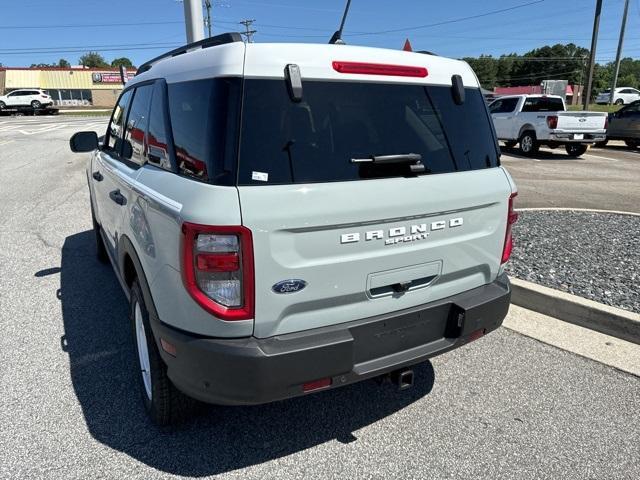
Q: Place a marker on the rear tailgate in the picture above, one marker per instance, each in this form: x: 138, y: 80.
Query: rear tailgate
x: 581, y: 121
x: 353, y: 243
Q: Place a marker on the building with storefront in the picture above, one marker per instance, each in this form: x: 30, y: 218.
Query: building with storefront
x: 74, y: 86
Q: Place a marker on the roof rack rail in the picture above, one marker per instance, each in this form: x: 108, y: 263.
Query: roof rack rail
x: 221, y: 39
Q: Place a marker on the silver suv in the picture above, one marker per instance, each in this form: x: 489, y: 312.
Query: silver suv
x: 292, y: 218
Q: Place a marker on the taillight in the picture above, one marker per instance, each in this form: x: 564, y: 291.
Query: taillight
x: 379, y: 69
x: 606, y: 122
x: 217, y: 269
x: 512, y: 217
x: 552, y: 121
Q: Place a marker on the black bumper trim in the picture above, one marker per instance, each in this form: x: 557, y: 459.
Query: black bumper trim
x: 247, y: 371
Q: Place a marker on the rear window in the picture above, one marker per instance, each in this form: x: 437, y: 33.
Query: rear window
x: 284, y: 142
x: 543, y: 104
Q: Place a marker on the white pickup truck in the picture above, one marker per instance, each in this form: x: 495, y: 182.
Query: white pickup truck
x: 535, y: 120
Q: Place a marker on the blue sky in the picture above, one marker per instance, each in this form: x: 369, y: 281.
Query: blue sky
x: 154, y: 26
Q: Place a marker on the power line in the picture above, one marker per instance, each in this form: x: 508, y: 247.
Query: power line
x: 447, y: 22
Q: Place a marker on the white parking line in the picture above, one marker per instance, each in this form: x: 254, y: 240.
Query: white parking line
x: 6, y: 142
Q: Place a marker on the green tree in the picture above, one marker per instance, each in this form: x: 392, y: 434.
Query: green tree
x: 93, y: 60
x: 486, y: 68
x: 41, y: 65
x: 124, y: 61
x: 558, y: 62
x: 63, y: 63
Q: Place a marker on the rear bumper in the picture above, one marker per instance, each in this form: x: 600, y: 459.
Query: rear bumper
x: 247, y: 371
x: 561, y: 137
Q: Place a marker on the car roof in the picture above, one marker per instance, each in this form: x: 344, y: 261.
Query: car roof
x: 268, y: 60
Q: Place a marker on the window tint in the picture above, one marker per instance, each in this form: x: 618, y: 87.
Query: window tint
x: 315, y: 140
x: 506, y: 105
x: 542, y: 104
x: 114, y: 132
x: 204, y: 114
x: 157, y: 143
x: 137, y: 124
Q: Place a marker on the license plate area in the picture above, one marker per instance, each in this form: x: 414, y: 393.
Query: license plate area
x: 578, y: 136
x: 392, y: 335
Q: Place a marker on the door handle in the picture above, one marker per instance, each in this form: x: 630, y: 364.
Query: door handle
x: 117, y: 197
x: 97, y: 176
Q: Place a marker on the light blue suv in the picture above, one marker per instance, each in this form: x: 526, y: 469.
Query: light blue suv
x: 286, y: 219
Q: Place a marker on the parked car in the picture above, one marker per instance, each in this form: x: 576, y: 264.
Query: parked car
x: 35, y: 98
x: 622, y: 96
x: 289, y: 218
x: 535, y: 120
x: 625, y: 125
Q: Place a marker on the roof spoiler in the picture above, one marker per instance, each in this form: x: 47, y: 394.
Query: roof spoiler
x: 221, y: 39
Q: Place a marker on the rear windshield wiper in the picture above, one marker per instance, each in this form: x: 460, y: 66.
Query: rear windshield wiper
x: 415, y: 159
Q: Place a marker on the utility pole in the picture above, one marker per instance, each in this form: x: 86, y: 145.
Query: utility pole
x: 248, y: 34
x: 619, y: 52
x: 592, y: 54
x: 193, y: 20
x: 207, y: 21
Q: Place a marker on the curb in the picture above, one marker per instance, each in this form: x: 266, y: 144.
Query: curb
x: 577, y: 310
x: 570, y: 209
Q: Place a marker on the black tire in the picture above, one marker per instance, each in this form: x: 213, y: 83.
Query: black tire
x: 602, y: 144
x: 528, y: 143
x: 101, y: 249
x: 510, y: 144
x: 631, y: 143
x: 2, y: 105
x: 164, y: 403
x: 575, y: 149
x: 35, y: 104
x: 619, y: 102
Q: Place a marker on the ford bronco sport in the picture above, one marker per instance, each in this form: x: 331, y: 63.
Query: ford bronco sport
x: 289, y: 218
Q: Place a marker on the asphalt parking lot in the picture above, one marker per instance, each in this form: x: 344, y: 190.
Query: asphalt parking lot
x: 603, y: 178
x: 506, y: 406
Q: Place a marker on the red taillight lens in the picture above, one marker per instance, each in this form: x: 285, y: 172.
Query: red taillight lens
x: 552, y: 121
x: 512, y: 217
x: 217, y: 269
x: 379, y: 69
x: 606, y: 122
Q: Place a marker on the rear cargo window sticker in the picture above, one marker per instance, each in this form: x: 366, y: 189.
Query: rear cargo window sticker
x: 260, y: 176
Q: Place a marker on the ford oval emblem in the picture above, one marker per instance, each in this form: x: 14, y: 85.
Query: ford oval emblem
x: 289, y: 286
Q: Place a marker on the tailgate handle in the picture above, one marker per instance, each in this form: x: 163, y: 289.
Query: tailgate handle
x: 402, y: 287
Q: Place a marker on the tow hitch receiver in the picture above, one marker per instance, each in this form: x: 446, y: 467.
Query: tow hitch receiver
x: 402, y: 378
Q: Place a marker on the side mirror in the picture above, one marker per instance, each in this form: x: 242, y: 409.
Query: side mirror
x: 83, y: 142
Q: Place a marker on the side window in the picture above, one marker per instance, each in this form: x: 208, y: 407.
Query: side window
x: 496, y: 107
x: 137, y: 125
x: 157, y: 143
x: 114, y: 132
x: 509, y: 105
x: 531, y: 104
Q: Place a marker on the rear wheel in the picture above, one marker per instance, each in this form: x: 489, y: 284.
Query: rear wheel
x: 632, y: 143
x: 510, y: 144
x: 36, y: 104
x: 163, y: 402
x: 529, y: 143
x: 575, y: 149
x: 619, y: 101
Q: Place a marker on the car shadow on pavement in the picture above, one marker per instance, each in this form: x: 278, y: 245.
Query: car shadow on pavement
x: 557, y: 154
x: 218, y: 439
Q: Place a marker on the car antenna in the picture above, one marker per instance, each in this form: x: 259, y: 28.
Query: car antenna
x: 336, y: 38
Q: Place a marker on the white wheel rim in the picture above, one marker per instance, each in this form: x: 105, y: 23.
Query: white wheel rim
x: 526, y: 144
x: 143, y: 351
